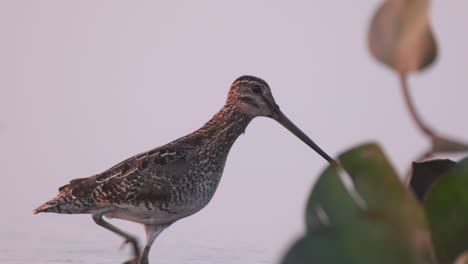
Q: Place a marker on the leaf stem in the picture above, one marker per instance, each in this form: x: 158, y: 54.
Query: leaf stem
x: 412, y: 110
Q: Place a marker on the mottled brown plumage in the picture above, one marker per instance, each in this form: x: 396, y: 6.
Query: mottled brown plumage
x: 160, y: 186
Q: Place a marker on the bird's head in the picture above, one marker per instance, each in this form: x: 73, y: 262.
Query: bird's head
x: 252, y: 96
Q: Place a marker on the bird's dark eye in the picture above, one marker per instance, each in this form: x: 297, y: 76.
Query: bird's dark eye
x: 256, y: 89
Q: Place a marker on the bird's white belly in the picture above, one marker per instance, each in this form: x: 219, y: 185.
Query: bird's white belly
x: 141, y: 214
x: 156, y: 216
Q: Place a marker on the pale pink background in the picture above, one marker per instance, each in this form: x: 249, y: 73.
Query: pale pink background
x: 86, y: 84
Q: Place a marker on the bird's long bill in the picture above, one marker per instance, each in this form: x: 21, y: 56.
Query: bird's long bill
x: 283, y: 120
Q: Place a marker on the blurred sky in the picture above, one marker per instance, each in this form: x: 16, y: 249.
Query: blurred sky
x: 86, y: 84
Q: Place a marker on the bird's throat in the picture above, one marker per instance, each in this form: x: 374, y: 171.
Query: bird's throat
x: 224, y: 128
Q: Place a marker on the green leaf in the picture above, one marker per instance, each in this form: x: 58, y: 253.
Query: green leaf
x: 446, y: 205
x: 322, y: 247
x: 382, y: 191
x: 400, y: 35
x: 340, y: 231
x: 426, y: 173
x: 330, y: 196
x: 377, y: 222
x: 378, y: 183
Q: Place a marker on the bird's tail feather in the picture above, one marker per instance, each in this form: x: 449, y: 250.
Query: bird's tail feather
x: 65, y: 205
x: 47, y: 207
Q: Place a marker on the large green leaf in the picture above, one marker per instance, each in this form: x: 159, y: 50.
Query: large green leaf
x: 321, y: 247
x: 378, y: 221
x: 379, y: 185
x: 446, y: 205
x: 389, y: 201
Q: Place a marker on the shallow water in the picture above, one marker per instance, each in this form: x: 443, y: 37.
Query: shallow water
x: 76, y: 239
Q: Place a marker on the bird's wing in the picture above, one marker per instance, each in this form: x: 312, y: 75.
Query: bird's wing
x: 148, y: 175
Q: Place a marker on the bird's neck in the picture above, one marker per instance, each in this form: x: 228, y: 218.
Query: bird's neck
x: 224, y: 128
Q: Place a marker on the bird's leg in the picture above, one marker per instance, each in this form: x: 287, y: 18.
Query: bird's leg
x: 152, y: 232
x: 97, y: 217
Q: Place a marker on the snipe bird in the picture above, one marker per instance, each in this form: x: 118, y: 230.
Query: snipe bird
x: 158, y: 187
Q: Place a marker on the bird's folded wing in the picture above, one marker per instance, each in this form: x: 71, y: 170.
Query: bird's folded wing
x: 149, y: 175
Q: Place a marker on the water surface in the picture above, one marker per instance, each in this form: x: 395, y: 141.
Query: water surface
x: 76, y: 239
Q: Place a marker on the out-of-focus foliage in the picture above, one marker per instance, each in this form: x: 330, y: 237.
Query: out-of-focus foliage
x: 400, y: 35
x: 445, y: 145
x: 446, y: 204
x: 426, y: 173
x: 373, y: 219
x: 360, y: 213
x: 363, y: 214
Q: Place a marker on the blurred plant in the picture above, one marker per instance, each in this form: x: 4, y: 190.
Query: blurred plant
x: 373, y: 219
x: 361, y: 212
x: 400, y: 37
